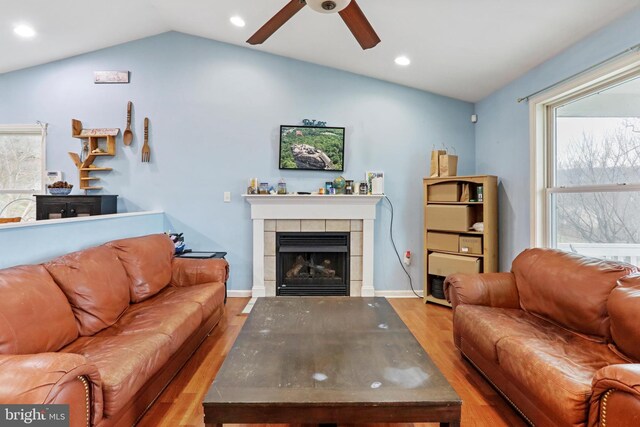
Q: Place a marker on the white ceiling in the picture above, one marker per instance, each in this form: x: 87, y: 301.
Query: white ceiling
x: 465, y: 49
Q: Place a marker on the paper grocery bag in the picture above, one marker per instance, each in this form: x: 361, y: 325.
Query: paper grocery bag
x: 448, y: 165
x: 465, y: 194
x: 435, y: 162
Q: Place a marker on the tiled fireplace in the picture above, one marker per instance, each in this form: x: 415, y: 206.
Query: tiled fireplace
x: 304, y: 272
x: 284, y: 215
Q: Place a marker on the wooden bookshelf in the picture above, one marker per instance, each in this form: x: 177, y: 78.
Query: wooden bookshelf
x: 452, y: 220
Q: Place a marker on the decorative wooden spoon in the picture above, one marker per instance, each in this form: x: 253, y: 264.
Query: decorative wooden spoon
x: 127, y: 137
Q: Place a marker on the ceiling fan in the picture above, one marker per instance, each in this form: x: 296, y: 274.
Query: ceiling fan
x: 349, y: 11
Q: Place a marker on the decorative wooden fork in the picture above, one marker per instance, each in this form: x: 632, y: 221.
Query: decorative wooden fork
x: 146, y: 151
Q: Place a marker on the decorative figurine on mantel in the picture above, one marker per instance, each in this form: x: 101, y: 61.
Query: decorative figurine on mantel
x: 339, y: 184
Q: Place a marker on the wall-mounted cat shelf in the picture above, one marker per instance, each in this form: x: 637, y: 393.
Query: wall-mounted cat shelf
x: 95, y: 147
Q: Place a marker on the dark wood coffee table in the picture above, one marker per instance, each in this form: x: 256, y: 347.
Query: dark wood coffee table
x: 328, y: 360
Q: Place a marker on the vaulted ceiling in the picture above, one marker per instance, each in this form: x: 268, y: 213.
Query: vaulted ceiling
x: 465, y: 49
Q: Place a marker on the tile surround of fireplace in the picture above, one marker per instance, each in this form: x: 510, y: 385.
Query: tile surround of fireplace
x: 330, y: 246
x: 313, y: 213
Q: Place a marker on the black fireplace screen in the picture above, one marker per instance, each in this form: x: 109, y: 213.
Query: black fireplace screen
x: 312, y: 264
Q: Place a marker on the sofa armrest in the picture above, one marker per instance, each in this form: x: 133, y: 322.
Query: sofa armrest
x: 187, y: 272
x: 53, y: 378
x: 615, y: 400
x: 490, y: 289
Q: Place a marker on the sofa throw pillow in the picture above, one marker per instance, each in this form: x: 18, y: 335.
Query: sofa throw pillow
x: 35, y: 316
x: 147, y: 261
x: 96, y: 285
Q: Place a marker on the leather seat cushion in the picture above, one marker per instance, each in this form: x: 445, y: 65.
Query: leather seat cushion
x: 208, y: 296
x: 125, y: 363
x: 175, y: 312
x: 556, y: 370
x: 568, y: 289
x: 95, y: 284
x: 177, y: 320
x: 483, y: 327
x: 35, y: 316
x: 147, y: 261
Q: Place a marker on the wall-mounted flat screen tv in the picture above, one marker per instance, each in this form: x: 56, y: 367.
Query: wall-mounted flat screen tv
x: 312, y: 148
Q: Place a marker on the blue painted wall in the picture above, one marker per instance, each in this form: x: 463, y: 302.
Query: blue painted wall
x: 34, y: 244
x: 502, y: 132
x: 215, y: 111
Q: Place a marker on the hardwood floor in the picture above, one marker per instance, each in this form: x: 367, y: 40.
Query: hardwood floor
x: 180, y: 404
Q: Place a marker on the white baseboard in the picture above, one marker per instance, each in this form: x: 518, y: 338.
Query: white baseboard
x: 231, y: 293
x: 398, y: 294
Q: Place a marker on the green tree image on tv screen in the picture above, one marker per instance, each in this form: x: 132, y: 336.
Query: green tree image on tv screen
x: 315, y: 148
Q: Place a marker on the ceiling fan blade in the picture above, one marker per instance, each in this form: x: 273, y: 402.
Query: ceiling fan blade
x: 362, y: 30
x: 278, y: 20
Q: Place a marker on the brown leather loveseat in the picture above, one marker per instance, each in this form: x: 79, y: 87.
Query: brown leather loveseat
x: 105, y: 329
x: 559, y: 336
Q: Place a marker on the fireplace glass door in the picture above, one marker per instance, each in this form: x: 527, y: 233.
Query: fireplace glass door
x: 309, y: 264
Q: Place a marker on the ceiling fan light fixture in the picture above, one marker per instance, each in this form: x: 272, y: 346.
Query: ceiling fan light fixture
x: 328, y: 6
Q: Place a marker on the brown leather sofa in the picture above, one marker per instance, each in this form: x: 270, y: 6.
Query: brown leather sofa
x: 105, y: 329
x: 558, y: 336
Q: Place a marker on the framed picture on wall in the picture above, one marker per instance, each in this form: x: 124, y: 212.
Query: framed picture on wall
x: 113, y: 77
x: 312, y: 148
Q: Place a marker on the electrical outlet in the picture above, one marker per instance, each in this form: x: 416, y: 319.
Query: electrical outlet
x: 227, y: 196
x: 407, y: 258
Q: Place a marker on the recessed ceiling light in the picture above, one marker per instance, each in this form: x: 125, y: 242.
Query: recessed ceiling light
x: 403, y: 60
x: 237, y: 21
x: 24, y: 31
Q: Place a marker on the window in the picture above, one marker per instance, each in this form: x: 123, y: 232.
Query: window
x: 590, y: 183
x: 22, y: 159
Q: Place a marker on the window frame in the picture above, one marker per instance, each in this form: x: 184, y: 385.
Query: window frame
x: 542, y: 138
x: 40, y: 129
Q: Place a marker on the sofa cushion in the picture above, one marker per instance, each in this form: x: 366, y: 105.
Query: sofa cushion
x: 125, y: 363
x: 568, y: 289
x: 624, y: 308
x: 95, y: 284
x: 556, y: 370
x: 209, y: 296
x: 483, y: 327
x: 177, y: 320
x: 35, y: 316
x: 147, y: 261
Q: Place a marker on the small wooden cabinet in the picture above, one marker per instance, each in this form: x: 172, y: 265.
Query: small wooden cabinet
x: 451, y: 206
x: 55, y: 207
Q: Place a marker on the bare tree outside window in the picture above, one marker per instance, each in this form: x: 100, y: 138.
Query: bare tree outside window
x: 20, y: 173
x: 605, y: 152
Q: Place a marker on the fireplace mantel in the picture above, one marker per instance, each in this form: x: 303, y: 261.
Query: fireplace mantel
x: 312, y: 207
x: 297, y: 206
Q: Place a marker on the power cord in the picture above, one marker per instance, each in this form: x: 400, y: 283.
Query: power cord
x: 396, y: 249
